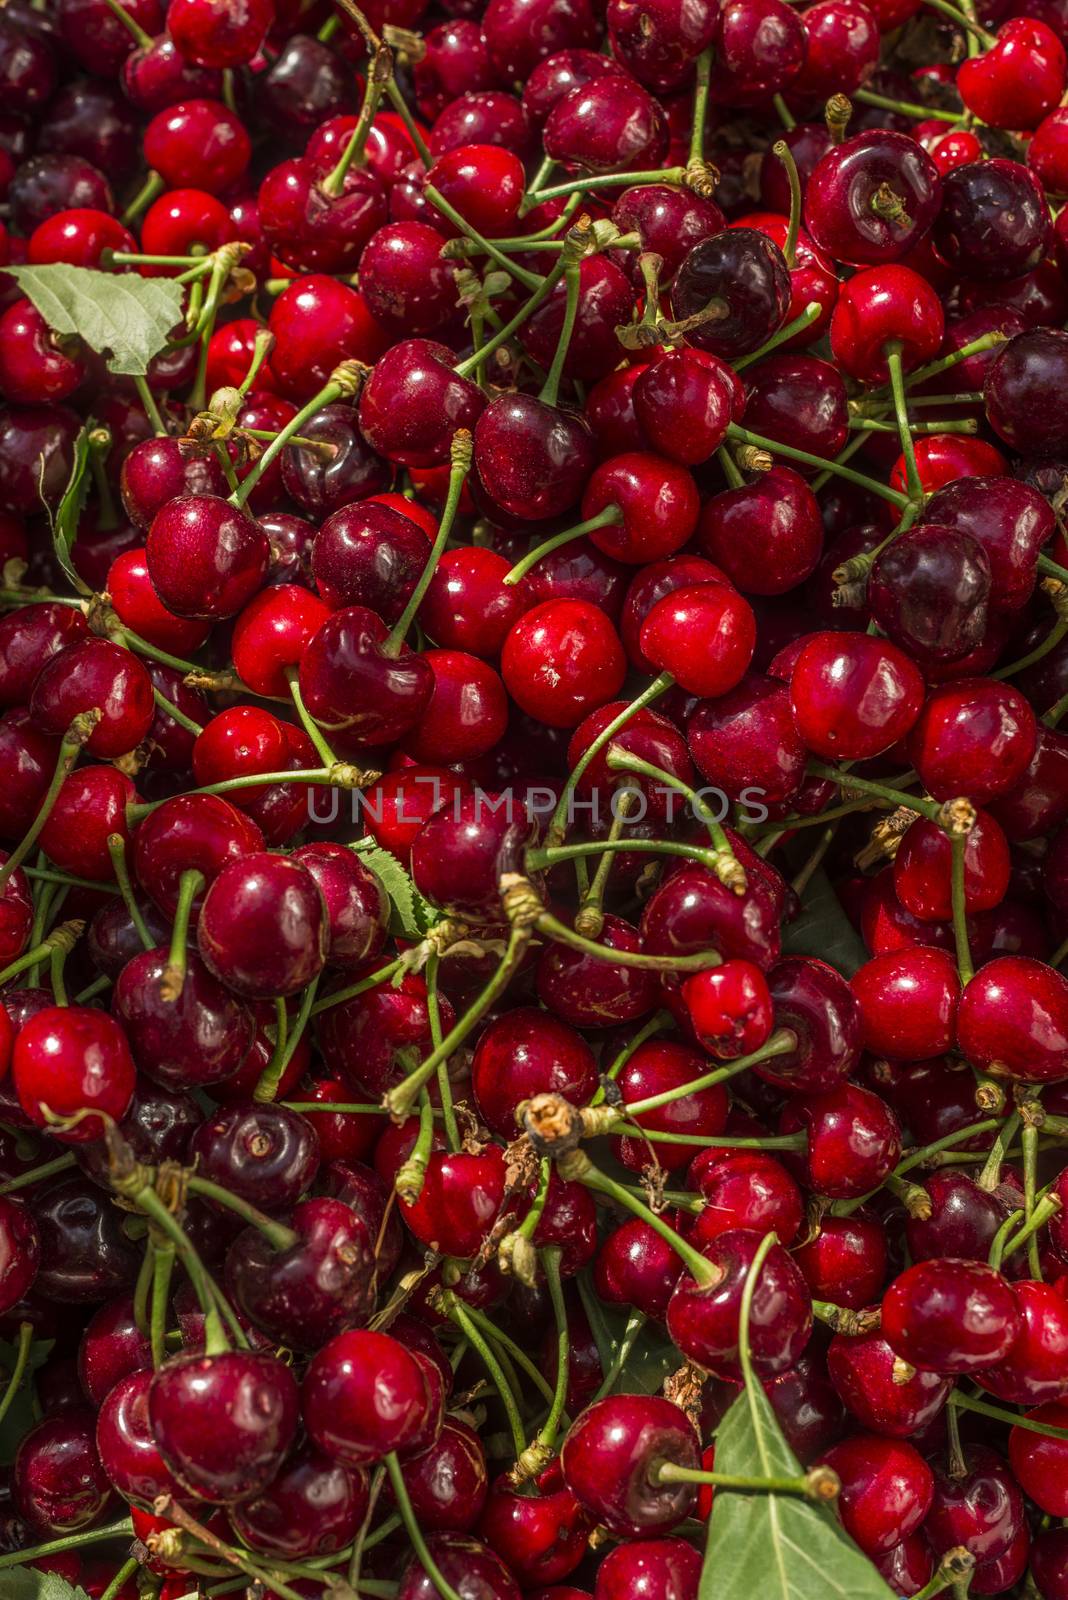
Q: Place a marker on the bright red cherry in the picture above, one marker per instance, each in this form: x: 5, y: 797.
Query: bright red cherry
x: 69, y: 1059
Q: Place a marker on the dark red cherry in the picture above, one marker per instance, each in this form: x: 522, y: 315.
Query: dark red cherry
x: 524, y: 1053
x: 95, y: 674
x: 609, y: 124
x: 594, y: 992
x: 684, y: 402
x: 759, y: 49
x: 321, y: 484
x: 963, y: 1221
x: 606, y: 299
x: 974, y: 737
x: 887, y: 1489
x: 879, y: 1390
x: 609, y: 1459
x: 739, y: 282
x: 59, y: 1484
x: 303, y: 1294
x: 205, y: 557
x: 358, y: 693
x: 669, y: 221
x: 223, y: 1423
x: 266, y: 1154
x: 313, y: 1508
x: 409, y: 288
x: 767, y: 536
x: 843, y: 48
x: 1033, y: 1370
x: 36, y: 445
x: 448, y: 1483
x: 29, y: 637
x: 972, y: 231
x: 812, y: 1000
x: 1019, y: 388
x: 189, y: 831
x: 692, y: 910
x: 908, y: 1003
x: 703, y: 1318
x: 85, y: 1255
x: 854, y: 696
x: 532, y: 459
x: 922, y: 868
x: 307, y: 82
x: 846, y: 1262
x: 743, y: 1189
x: 364, y: 1395
x: 360, y: 1037
x: 871, y: 198
x: 356, y: 903
x: 413, y: 402
x: 197, y: 1038
x: 156, y: 1128
x: 929, y: 593
x: 263, y: 928
x: 951, y: 1316
x: 459, y: 1202
x: 125, y: 1443
x: 469, y: 1567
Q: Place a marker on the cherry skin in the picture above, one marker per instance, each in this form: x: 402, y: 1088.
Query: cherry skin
x: 363, y: 1395
x: 887, y: 1489
x: 138, y: 606
x: 266, y: 1154
x: 854, y: 1140
x: 155, y: 76
x: 881, y: 306
x: 314, y: 1507
x: 1038, y: 1461
x: 205, y: 558
x: 467, y: 713
x: 746, y: 743
x: 359, y: 694
x: 846, y: 1261
x: 691, y: 910
x: 971, y: 231
x: 70, y: 1058
x: 884, y: 1399
x: 368, y: 555
x: 963, y: 1221
x: 263, y: 929
x: 646, y: 735
x: 684, y: 402
x: 523, y: 1053
x: 124, y: 1441
x: 1020, y: 79
x: 744, y: 1189
x: 305, y: 1293
x: 360, y: 1037
x: 853, y: 696
x: 33, y: 369
x: 469, y: 1567
x: 767, y: 536
x: 636, y: 1267
x: 210, y: 33
x: 532, y: 459
x: 448, y: 1483
x: 608, y: 1461
x: 20, y: 1252
x: 591, y: 992
x: 95, y: 674
x: 223, y: 1423
x: 468, y: 606
x: 1018, y: 391
x: 973, y: 737
x: 655, y: 1067
x: 271, y: 634
x: 318, y: 322
x: 703, y: 1319
x: 812, y: 1000
x: 356, y: 903
x: 951, y: 1316
x: 843, y: 47
x: 198, y: 1038
x: 609, y: 124
x: 929, y: 593
x: 801, y: 401
x: 922, y: 869
x: 459, y: 1202
x: 669, y: 221
x: 741, y: 277
x: 1033, y: 1371
x: 704, y: 635
x: 413, y: 402
x: 1049, y: 1563
x: 871, y: 198
x: 35, y: 455
x: 198, y: 143
x: 606, y: 299
x: 560, y: 660
x: 59, y: 1484
x: 650, y: 1568
x: 1013, y: 1019
x: 908, y: 1003
x: 730, y: 1009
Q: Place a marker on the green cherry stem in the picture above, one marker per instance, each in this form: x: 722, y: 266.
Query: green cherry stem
x: 620, y: 760
x: 553, y: 928
x: 278, y: 1236
x: 67, y: 934
x: 550, y: 389
x: 782, y: 150
x: 700, y: 105
x: 163, y: 1256
x: 957, y: 844
x: 47, y: 1169
x: 117, y: 852
x: 414, y: 1532
x: 803, y: 320
x: 781, y: 1043
x: 433, y: 1007
x: 819, y: 1484
x: 307, y: 721
x: 611, y: 516
x: 343, y: 384
x: 529, y: 280
x: 173, y: 978
x: 905, y: 108
x: 339, y: 996
x: 576, y: 1167
x: 635, y: 1324
x: 901, y: 410
x: 775, y: 447
x: 18, y: 1371
x: 460, y: 454
x: 121, y: 1578
x: 130, y: 23
x: 985, y: 341
x: 967, y: 1402
x: 538, y: 1454
x: 744, y: 1357
x: 267, y: 1088
x: 457, y: 1313
x: 515, y: 1352
x: 122, y: 1529
x: 381, y: 70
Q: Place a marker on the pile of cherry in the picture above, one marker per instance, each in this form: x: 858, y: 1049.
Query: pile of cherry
x: 533, y: 629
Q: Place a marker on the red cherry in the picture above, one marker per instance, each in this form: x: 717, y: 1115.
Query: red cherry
x: 68, y: 1059
x: 853, y: 695
x: 881, y: 306
x: 1019, y: 80
x: 908, y: 1003
x: 560, y: 660
x: 704, y: 635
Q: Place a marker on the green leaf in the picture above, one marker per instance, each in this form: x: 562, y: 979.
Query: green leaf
x: 824, y: 930
x: 652, y: 1358
x: 410, y: 915
x: 777, y: 1546
x: 120, y: 315
x: 27, y: 1583
x: 70, y: 508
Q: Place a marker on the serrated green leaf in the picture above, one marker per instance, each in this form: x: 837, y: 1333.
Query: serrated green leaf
x: 410, y: 916
x: 777, y: 1546
x: 822, y: 929
x: 69, y: 511
x: 124, y: 317
x: 27, y: 1583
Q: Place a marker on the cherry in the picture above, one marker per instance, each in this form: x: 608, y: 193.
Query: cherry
x: 971, y: 231
x: 90, y: 807
x: 704, y: 635
x: 871, y: 198
x: 883, y: 306
x: 139, y: 607
x: 560, y: 660
x: 364, y: 1395
x: 460, y: 1199
x: 456, y: 61
x: 95, y: 674
x: 27, y: 71
x: 884, y: 1399
x: 316, y: 323
x: 746, y: 743
x: 1019, y: 80
x: 853, y: 1140
x: 853, y: 696
x: 368, y: 555
x: 447, y: 1484
x: 532, y: 459
x: 265, y: 1154
x: 408, y: 287
x: 92, y: 120
x: 846, y: 1261
x: 908, y: 1003
x: 359, y: 693
x: 20, y: 1252
x: 205, y: 557
x: 223, y: 1423
x: 651, y: 1568
x: 210, y: 33
x: 692, y: 910
x: 743, y: 1189
x: 1049, y: 1563
x: 36, y: 455
x: 922, y: 868
x: 304, y: 1293
x: 85, y: 1255
x: 59, y: 1485
x: 843, y: 47
x: 199, y: 144
x: 68, y: 1059
x: 606, y: 300
x: 155, y: 471
x: 636, y: 1267
x: 523, y: 1053
x: 469, y: 1568
x: 156, y: 75
x: 929, y: 592
x: 951, y: 1316
x: 185, y: 832
x: 16, y: 915
x: 322, y: 484
x: 468, y: 606
x: 739, y: 280
x: 33, y: 368
x: 703, y: 1318
x: 1013, y: 1018
x: 668, y: 221
x: 413, y: 402
x: 359, y: 1037
x: 973, y: 737
x: 766, y: 536
x: 964, y: 1219
x: 306, y: 83
x: 1033, y: 1371
x: 182, y: 222
x: 1038, y: 1461
x: 124, y: 1439
x: 812, y: 1000
x: 196, y: 1038
x: 887, y: 1489
x: 49, y: 183
x: 609, y: 1462
x: 591, y: 992
x: 684, y: 402
x: 607, y: 124
x: 730, y: 1009
x: 1018, y: 388
x: 156, y: 1127
x: 943, y: 458
x: 654, y: 1068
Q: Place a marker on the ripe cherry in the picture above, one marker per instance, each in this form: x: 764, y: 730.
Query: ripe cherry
x: 702, y: 1318
x: 223, y: 1423
x: 883, y: 1397
x: 950, y: 1316
x: 609, y: 1462
x: 69, y: 1059
x: 974, y: 737
x: 853, y: 695
x: 364, y: 1395
x: 871, y: 198
x: 887, y: 1489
